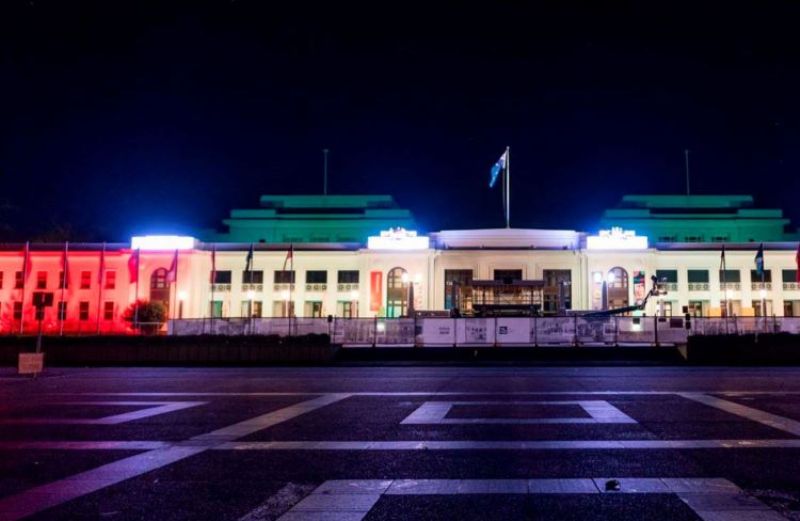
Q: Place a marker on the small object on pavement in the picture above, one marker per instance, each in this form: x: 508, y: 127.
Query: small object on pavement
x: 613, y: 485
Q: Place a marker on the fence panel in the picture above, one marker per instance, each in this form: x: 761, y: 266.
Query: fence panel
x: 436, y: 331
x: 555, y: 331
x: 596, y: 330
x: 475, y: 332
x: 395, y: 332
x: 514, y: 331
x: 636, y: 330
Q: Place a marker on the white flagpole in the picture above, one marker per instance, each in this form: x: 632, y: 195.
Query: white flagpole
x: 508, y: 187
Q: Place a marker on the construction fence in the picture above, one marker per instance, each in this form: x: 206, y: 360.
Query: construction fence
x: 495, y: 331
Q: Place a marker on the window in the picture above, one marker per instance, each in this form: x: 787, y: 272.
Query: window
x: 284, y: 277
x: 61, y: 282
x: 457, y: 285
x: 215, y: 308
x: 557, y: 291
x: 1, y: 280
x: 19, y: 280
x: 86, y: 279
x: 108, y: 310
x: 693, y: 238
x: 347, y: 308
x: 316, y: 277
x: 755, y: 277
x: 41, y: 280
x: 791, y: 308
x: 719, y: 238
x: 253, y: 277
x: 313, y: 308
x: 281, y: 308
x: 789, y: 276
x: 17, y: 310
x: 347, y: 277
x: 256, y: 308
x: 698, y: 276
x: 507, y: 275
x: 111, y: 279
x: 222, y: 277
x: 667, y: 238
x: 83, y: 310
x: 730, y: 276
x: 670, y: 276
x: 62, y: 310
x: 698, y: 308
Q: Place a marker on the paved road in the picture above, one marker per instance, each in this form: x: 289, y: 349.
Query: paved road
x: 401, y: 443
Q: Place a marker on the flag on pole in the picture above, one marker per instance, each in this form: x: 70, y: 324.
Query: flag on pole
x: 213, y: 264
x: 797, y: 262
x: 102, y: 269
x: 133, y: 266
x: 64, y: 267
x: 722, y: 259
x: 248, y: 261
x: 172, y: 274
x: 760, y: 260
x: 498, y: 167
x: 289, y: 258
x: 26, y: 265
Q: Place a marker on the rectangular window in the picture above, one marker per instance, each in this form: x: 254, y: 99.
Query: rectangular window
x: 507, y: 275
x: 1, y: 280
x: 111, y: 279
x: 755, y: 277
x: 282, y: 308
x: 86, y: 279
x: 216, y: 308
x: 62, y: 310
x: 347, y: 308
x: 17, y: 310
x: 253, y: 277
x: 313, y: 308
x: 670, y: 276
x: 61, y: 282
x: 730, y: 276
x: 347, y: 277
x: 457, y: 284
x: 557, y: 291
x: 83, y: 310
x: 789, y: 275
x: 284, y: 277
x: 255, y: 312
x: 698, y: 276
x: 316, y: 277
x: 41, y: 280
x: 108, y: 310
x: 222, y: 277
x: 19, y: 280
x: 791, y: 308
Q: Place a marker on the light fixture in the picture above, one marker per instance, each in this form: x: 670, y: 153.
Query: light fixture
x: 162, y: 242
x: 763, y: 293
x: 251, y: 294
x: 418, y: 278
x: 610, y: 277
x: 181, y: 295
x: 405, y: 278
x: 354, y: 295
x: 598, y: 277
x: 285, y: 294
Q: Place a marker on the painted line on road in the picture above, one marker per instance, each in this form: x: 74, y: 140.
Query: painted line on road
x: 512, y: 445
x: 712, y: 499
x: 765, y: 418
x: 52, y: 494
x: 154, y: 409
x: 599, y: 411
x: 83, y: 445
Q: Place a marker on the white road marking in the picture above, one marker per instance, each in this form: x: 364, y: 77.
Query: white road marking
x: 513, y: 445
x: 434, y: 393
x: 154, y: 409
x: 83, y: 445
x: 52, y: 494
x: 600, y: 411
x: 765, y: 418
x: 712, y: 499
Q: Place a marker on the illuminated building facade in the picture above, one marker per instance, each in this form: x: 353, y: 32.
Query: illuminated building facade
x: 390, y: 274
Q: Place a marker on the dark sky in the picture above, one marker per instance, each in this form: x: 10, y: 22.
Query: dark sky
x: 121, y: 117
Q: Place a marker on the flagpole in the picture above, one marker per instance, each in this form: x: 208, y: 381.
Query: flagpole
x: 100, y: 274
x: 63, y: 286
x: 508, y: 187
x: 136, y: 296
x: 24, y: 280
x: 213, y: 282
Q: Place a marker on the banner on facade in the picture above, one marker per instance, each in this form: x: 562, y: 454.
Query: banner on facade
x: 375, y: 290
x: 639, y: 286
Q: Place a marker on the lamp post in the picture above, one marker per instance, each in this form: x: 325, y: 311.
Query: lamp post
x: 250, y: 296
x: 353, y: 303
x: 181, y: 299
x: 406, y: 278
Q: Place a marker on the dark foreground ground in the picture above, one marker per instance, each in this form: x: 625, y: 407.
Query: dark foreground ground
x: 401, y: 443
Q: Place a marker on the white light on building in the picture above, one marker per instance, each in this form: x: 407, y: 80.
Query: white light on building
x: 616, y: 239
x: 162, y: 242
x: 398, y: 239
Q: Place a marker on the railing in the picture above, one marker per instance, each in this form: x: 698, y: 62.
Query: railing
x: 253, y: 287
x: 735, y: 286
x: 495, y: 331
x: 220, y: 287
x: 791, y: 286
x: 698, y: 286
x: 347, y: 286
x: 761, y: 285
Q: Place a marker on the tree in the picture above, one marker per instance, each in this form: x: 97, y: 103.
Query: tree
x: 150, y: 318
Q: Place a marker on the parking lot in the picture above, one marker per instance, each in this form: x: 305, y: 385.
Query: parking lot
x: 401, y: 443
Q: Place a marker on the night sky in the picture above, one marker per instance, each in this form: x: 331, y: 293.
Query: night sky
x: 121, y: 117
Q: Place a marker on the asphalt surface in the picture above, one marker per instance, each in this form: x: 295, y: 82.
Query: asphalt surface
x: 381, y: 443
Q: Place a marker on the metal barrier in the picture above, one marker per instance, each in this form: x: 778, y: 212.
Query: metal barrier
x: 491, y: 332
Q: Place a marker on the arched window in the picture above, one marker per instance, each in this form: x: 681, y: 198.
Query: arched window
x: 617, y: 284
x: 159, y: 287
x: 397, y: 293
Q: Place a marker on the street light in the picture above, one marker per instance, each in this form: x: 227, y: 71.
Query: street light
x: 353, y: 303
x: 181, y: 299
